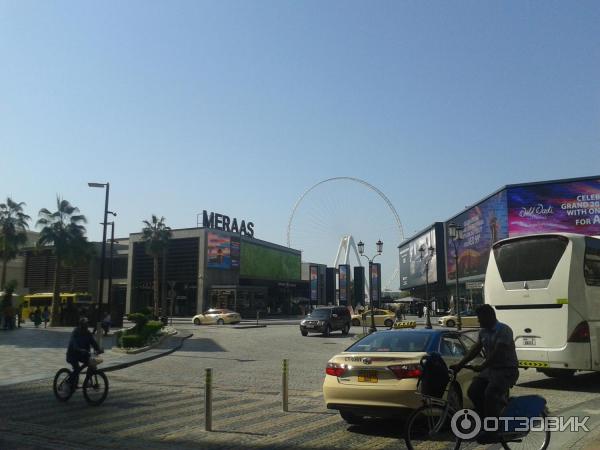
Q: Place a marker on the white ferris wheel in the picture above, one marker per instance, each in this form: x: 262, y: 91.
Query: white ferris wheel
x: 333, y: 214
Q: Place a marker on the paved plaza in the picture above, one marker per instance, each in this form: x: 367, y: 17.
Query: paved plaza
x: 160, y: 403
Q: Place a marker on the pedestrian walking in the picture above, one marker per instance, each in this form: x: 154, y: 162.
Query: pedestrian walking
x: 106, y: 322
x: 46, y: 316
x: 37, y: 317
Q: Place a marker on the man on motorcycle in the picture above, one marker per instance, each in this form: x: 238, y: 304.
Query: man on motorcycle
x: 78, y: 351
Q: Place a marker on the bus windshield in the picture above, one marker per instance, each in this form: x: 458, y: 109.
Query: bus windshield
x: 531, y: 258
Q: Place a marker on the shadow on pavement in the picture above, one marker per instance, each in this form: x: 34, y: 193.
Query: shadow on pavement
x: 201, y: 345
x: 585, y: 382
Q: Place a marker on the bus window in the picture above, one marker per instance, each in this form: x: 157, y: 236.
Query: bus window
x: 591, y: 262
x: 531, y: 258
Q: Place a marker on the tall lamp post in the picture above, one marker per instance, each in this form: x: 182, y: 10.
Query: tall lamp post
x: 455, y: 233
x: 427, y: 259
x: 361, y: 250
x: 106, y: 186
x: 110, y: 263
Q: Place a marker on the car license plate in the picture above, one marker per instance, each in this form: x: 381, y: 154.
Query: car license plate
x: 528, y: 341
x: 367, y: 377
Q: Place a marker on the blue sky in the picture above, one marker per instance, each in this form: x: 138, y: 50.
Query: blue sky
x: 238, y: 107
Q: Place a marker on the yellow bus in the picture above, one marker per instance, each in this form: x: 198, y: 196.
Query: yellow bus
x: 32, y: 301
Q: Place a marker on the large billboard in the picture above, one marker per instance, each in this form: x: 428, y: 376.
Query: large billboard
x: 412, y: 267
x: 568, y: 207
x: 223, y: 251
x: 482, y: 225
x: 344, y: 283
x: 266, y: 263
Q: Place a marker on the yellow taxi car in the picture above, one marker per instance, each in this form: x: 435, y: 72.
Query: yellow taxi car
x: 383, y: 318
x: 217, y: 317
x: 467, y: 319
x: 377, y: 376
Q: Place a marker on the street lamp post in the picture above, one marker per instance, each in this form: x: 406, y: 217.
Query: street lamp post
x: 110, y: 263
x: 427, y: 259
x: 361, y: 250
x: 455, y: 232
x: 106, y: 186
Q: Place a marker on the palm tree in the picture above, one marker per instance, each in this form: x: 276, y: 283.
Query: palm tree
x: 156, y: 235
x: 63, y: 229
x: 13, y: 227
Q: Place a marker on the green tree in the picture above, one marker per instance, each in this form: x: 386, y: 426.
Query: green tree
x: 13, y: 233
x: 156, y: 235
x: 63, y: 230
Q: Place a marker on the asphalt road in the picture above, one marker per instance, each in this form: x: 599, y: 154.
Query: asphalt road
x: 159, y: 404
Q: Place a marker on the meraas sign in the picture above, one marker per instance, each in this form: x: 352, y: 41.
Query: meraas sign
x: 222, y: 222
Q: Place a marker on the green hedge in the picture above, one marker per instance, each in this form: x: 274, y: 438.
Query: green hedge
x: 132, y: 340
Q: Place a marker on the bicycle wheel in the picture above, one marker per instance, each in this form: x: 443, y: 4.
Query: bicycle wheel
x: 534, y: 440
x: 62, y: 385
x: 429, y: 427
x: 95, y: 388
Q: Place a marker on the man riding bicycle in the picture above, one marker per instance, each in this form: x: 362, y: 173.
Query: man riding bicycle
x: 499, y: 372
x: 80, y: 343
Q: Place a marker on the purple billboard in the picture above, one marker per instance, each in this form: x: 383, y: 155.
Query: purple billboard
x: 567, y: 207
x: 482, y: 225
x: 344, y: 283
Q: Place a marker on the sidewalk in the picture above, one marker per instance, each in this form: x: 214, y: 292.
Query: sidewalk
x: 29, y: 353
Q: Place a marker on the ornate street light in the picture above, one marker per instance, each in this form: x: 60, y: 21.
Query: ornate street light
x: 455, y: 233
x: 361, y: 251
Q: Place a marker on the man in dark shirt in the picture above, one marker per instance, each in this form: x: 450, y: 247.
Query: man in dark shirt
x: 500, y: 370
x: 80, y: 343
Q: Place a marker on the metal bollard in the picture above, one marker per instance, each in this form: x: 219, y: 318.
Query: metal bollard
x: 284, y: 382
x: 208, y: 401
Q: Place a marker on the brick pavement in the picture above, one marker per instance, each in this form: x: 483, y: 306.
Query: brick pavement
x: 29, y: 353
x: 160, y: 404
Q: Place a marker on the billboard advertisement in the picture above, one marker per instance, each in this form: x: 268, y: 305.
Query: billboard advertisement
x: 262, y: 262
x: 344, y: 283
x: 568, y: 207
x: 412, y: 266
x: 482, y: 225
x: 219, y: 251
x: 375, y: 283
x: 359, y: 286
x: 314, y: 284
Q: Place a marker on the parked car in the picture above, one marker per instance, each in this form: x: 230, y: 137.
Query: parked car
x: 325, y: 320
x: 467, y: 319
x: 217, y: 317
x: 377, y: 376
x: 383, y: 318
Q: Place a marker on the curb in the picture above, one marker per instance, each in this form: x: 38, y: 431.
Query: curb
x: 124, y: 365
x: 135, y: 351
x: 245, y: 327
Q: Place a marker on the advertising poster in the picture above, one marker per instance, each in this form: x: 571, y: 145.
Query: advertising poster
x: 560, y: 207
x: 359, y: 286
x: 483, y: 225
x: 375, y: 283
x: 344, y: 283
x: 219, y: 251
x: 235, y: 252
x: 314, y: 284
x: 412, y: 267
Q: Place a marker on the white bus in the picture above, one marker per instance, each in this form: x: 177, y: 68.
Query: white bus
x: 546, y: 287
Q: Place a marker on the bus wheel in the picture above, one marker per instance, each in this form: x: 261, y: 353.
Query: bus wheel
x: 558, y: 373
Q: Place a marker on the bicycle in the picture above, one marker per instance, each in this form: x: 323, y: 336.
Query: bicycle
x: 432, y: 423
x: 95, y: 383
